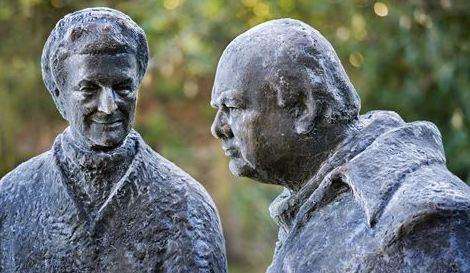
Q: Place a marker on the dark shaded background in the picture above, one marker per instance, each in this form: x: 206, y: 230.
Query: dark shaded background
x: 408, y: 56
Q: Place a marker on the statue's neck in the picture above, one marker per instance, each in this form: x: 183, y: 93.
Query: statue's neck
x: 93, y: 173
x: 88, y: 158
x: 285, y: 208
x: 326, y: 154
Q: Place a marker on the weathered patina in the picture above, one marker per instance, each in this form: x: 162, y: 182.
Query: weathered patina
x: 101, y: 200
x: 363, y: 193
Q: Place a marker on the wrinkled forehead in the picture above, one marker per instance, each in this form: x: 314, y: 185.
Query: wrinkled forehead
x: 261, y: 54
x: 240, y: 72
x: 96, y: 38
x: 102, y: 65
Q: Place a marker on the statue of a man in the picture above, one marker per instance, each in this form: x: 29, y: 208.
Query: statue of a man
x: 363, y: 193
x: 101, y: 200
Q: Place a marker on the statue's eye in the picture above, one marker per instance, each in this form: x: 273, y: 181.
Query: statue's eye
x: 123, y: 87
x: 89, y: 88
x: 233, y: 104
x: 120, y: 87
x: 230, y: 108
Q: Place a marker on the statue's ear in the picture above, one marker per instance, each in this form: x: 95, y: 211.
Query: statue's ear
x: 58, y: 103
x: 307, y: 116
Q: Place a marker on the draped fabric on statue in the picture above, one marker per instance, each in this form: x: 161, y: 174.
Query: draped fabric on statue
x: 153, y: 217
x: 384, y: 199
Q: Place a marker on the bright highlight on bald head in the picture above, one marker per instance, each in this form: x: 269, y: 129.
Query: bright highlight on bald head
x: 297, y: 62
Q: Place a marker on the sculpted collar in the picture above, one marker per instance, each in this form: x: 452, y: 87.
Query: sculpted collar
x: 87, y: 159
x: 93, y: 178
x: 363, y: 165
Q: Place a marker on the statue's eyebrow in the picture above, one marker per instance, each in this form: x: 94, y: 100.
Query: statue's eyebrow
x: 233, y: 98
x: 127, y: 80
x: 86, y: 82
x: 215, y: 103
x: 218, y: 101
x: 229, y: 97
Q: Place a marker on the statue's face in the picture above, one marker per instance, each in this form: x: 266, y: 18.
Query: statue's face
x: 256, y: 133
x: 100, y: 94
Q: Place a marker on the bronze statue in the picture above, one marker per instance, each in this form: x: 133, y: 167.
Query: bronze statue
x: 363, y: 193
x: 101, y: 200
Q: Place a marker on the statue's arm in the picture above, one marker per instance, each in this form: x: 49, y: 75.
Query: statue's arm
x: 435, y: 243
x: 198, y: 243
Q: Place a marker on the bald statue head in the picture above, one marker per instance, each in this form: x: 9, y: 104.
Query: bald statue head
x: 284, y: 102
x: 92, y: 64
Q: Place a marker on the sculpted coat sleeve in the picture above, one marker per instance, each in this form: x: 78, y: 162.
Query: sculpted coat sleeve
x: 441, y: 242
x: 198, y: 245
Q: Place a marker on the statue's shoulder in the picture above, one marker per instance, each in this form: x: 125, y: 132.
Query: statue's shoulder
x: 430, y: 198
x: 428, y: 220
x: 401, y: 179
x: 425, y: 185
x: 172, y: 180
x: 196, y: 233
x: 23, y: 182
x: 27, y: 173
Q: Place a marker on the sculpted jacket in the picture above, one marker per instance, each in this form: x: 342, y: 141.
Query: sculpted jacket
x: 384, y: 202
x: 155, y: 218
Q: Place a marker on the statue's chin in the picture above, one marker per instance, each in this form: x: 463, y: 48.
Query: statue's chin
x: 107, y: 136
x: 108, y: 145
x: 239, y: 167
x: 107, y: 141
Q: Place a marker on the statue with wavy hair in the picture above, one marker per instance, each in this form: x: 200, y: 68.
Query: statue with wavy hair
x: 101, y: 200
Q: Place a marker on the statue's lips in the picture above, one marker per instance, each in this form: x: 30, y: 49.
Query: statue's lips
x: 108, y: 122
x: 230, y: 151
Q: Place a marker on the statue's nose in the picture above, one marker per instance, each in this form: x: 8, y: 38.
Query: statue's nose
x: 107, y: 103
x: 220, y: 128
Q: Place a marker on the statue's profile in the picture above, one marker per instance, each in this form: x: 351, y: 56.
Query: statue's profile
x: 101, y: 200
x: 363, y: 193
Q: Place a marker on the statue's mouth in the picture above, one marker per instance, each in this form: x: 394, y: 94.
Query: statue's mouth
x: 230, y: 151
x: 108, y: 122
x: 115, y: 119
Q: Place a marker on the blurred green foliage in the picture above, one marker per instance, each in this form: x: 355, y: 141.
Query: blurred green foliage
x: 408, y: 56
